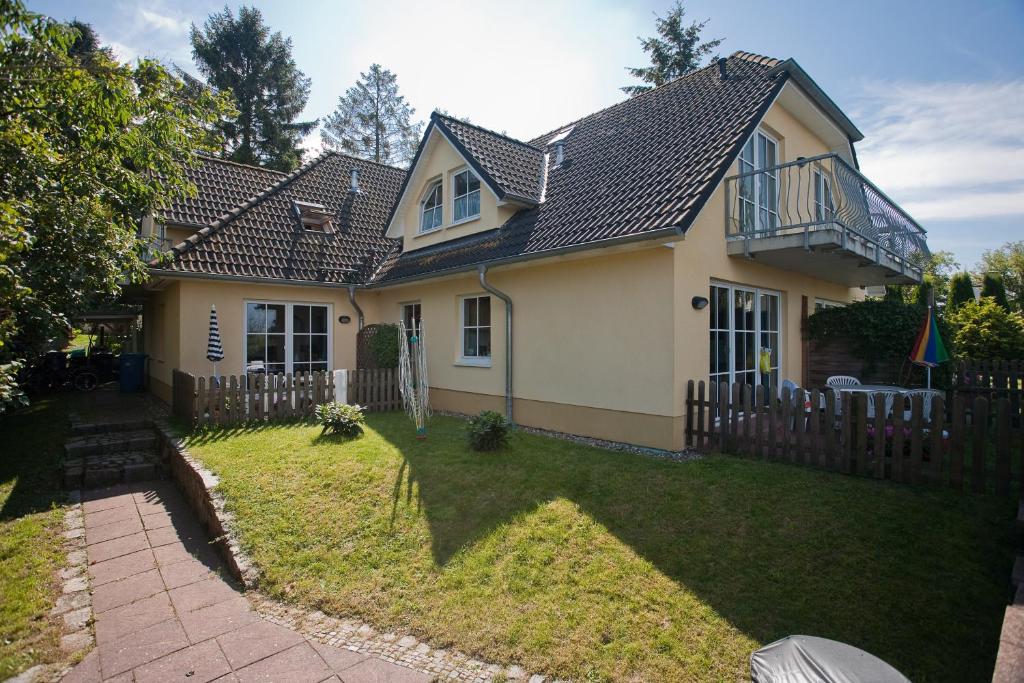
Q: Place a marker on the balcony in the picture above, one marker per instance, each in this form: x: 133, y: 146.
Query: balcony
x: 821, y: 217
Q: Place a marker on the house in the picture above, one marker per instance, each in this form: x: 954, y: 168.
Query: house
x: 578, y: 279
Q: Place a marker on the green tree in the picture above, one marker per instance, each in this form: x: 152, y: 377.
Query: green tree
x: 373, y: 121
x: 675, y: 51
x: 961, y: 290
x: 241, y: 56
x: 923, y: 292
x: 985, y: 330
x: 1008, y: 263
x: 87, y: 147
x: 992, y: 286
x: 86, y: 44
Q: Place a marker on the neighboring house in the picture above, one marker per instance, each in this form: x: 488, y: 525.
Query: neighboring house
x: 676, y: 235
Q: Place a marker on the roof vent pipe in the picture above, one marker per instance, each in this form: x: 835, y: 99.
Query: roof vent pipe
x: 354, y: 186
x: 559, y: 153
x: 723, y: 68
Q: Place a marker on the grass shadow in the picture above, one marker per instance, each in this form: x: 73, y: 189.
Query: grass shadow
x: 30, y: 465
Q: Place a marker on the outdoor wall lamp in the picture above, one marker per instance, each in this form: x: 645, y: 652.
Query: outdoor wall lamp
x: 699, y: 302
x: 344, y: 319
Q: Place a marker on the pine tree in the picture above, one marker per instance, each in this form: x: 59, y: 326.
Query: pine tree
x: 961, y: 290
x: 242, y: 56
x: 677, y: 50
x: 373, y: 121
x: 992, y: 286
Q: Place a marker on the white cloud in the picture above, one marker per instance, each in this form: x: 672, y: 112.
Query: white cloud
x: 162, y: 22
x: 947, y: 151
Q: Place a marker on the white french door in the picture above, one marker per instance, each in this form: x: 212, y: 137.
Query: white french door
x: 746, y: 336
x: 759, y: 192
x: 287, y: 337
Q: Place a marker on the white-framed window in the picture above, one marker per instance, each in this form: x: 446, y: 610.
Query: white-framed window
x: 822, y: 304
x: 746, y: 335
x: 432, y: 208
x: 824, y: 208
x: 475, y: 321
x: 411, y: 317
x: 466, y: 198
x: 287, y: 337
x: 759, y: 192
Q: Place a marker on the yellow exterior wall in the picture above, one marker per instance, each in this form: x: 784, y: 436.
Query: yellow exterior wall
x: 161, y: 340
x: 440, y: 161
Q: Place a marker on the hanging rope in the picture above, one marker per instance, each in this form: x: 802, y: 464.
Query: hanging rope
x: 413, y: 376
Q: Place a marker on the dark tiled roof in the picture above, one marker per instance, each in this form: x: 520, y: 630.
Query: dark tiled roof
x: 637, y: 168
x: 262, y: 238
x: 512, y: 168
x: 221, y: 186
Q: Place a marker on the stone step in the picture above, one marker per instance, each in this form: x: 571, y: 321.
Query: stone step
x: 104, y: 469
x: 79, y: 428
x: 114, y: 442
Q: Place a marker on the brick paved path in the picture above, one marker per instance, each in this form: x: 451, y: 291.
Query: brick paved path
x: 165, y: 610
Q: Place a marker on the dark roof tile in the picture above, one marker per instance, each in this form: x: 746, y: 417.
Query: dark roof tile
x: 221, y: 186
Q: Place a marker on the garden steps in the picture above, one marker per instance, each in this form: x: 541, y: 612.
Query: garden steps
x: 106, y: 453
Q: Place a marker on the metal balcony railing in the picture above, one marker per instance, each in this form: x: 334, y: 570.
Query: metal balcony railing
x: 822, y: 193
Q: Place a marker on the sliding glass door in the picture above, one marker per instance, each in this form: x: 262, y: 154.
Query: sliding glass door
x: 745, y: 340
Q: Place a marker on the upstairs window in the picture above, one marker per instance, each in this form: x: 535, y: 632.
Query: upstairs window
x: 431, y: 218
x: 467, y: 196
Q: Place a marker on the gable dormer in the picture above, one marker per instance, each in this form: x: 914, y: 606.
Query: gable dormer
x: 464, y: 180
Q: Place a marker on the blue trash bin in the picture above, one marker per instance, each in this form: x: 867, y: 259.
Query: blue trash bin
x: 132, y: 370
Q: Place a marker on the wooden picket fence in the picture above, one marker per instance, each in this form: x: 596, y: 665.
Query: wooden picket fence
x: 992, y: 379
x: 975, y: 445
x: 275, y: 397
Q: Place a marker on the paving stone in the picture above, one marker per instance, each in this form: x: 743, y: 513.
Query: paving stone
x: 121, y: 621
x: 1009, y: 664
x: 118, y: 513
x: 72, y: 534
x: 98, y: 500
x: 142, y: 647
x: 195, y: 664
x: 186, y: 533
x: 177, y: 552
x: 75, y: 641
x: 79, y: 583
x: 71, y: 601
x: 215, y: 620
x: 71, y: 572
x: 372, y: 670
x: 337, y: 658
x: 201, y: 594
x: 106, y: 532
x: 298, y: 664
x: 125, y: 591
x: 117, y: 547
x: 86, y: 671
x: 122, y: 567
x: 1013, y: 626
x: 78, y: 558
x: 157, y: 520
x: 257, y: 641
x: 77, y: 619
x: 184, y: 573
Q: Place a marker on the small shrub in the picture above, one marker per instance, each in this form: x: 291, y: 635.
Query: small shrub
x: 487, y: 431
x: 384, y: 346
x: 341, y: 418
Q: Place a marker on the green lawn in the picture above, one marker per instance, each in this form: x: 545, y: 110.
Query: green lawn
x: 30, y: 535
x: 582, y: 563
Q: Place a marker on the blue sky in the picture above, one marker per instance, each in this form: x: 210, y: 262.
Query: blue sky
x: 937, y: 87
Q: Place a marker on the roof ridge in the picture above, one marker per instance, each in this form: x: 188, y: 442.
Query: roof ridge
x: 195, y: 238
x: 756, y: 58
x: 334, y: 152
x: 239, y: 163
x: 633, y: 98
x: 486, y: 130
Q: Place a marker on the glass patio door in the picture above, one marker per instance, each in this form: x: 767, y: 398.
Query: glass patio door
x: 759, y: 191
x: 745, y: 336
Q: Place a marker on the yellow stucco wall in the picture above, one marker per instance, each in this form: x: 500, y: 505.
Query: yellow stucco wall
x: 440, y: 161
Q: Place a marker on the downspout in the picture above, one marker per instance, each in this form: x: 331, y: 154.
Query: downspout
x: 352, y: 300
x: 508, y: 339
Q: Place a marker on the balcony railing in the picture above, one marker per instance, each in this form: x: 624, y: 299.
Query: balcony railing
x: 823, y: 194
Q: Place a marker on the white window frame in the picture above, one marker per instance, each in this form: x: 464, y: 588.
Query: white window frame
x: 455, y: 174
x: 823, y: 212
x: 757, y: 163
x: 408, y: 304
x: 757, y: 292
x: 461, y: 358
x: 289, y: 339
x: 435, y: 185
x: 823, y: 304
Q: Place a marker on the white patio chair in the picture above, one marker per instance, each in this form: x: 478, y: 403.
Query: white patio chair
x: 929, y: 395
x: 890, y: 398
x: 838, y: 381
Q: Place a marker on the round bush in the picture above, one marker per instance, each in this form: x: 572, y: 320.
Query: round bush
x: 487, y: 431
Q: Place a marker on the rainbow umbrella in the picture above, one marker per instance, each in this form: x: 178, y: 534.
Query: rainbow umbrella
x: 929, y: 350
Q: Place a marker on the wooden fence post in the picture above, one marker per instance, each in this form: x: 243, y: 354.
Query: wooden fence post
x: 700, y: 416
x: 1003, y: 446
x: 688, y: 435
x: 979, y: 444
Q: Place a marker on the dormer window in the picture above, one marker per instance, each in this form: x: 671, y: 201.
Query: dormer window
x: 431, y: 218
x: 314, y: 217
x: 467, y: 196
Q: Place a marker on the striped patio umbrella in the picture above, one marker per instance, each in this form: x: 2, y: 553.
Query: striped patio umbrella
x: 214, y: 349
x: 929, y: 350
